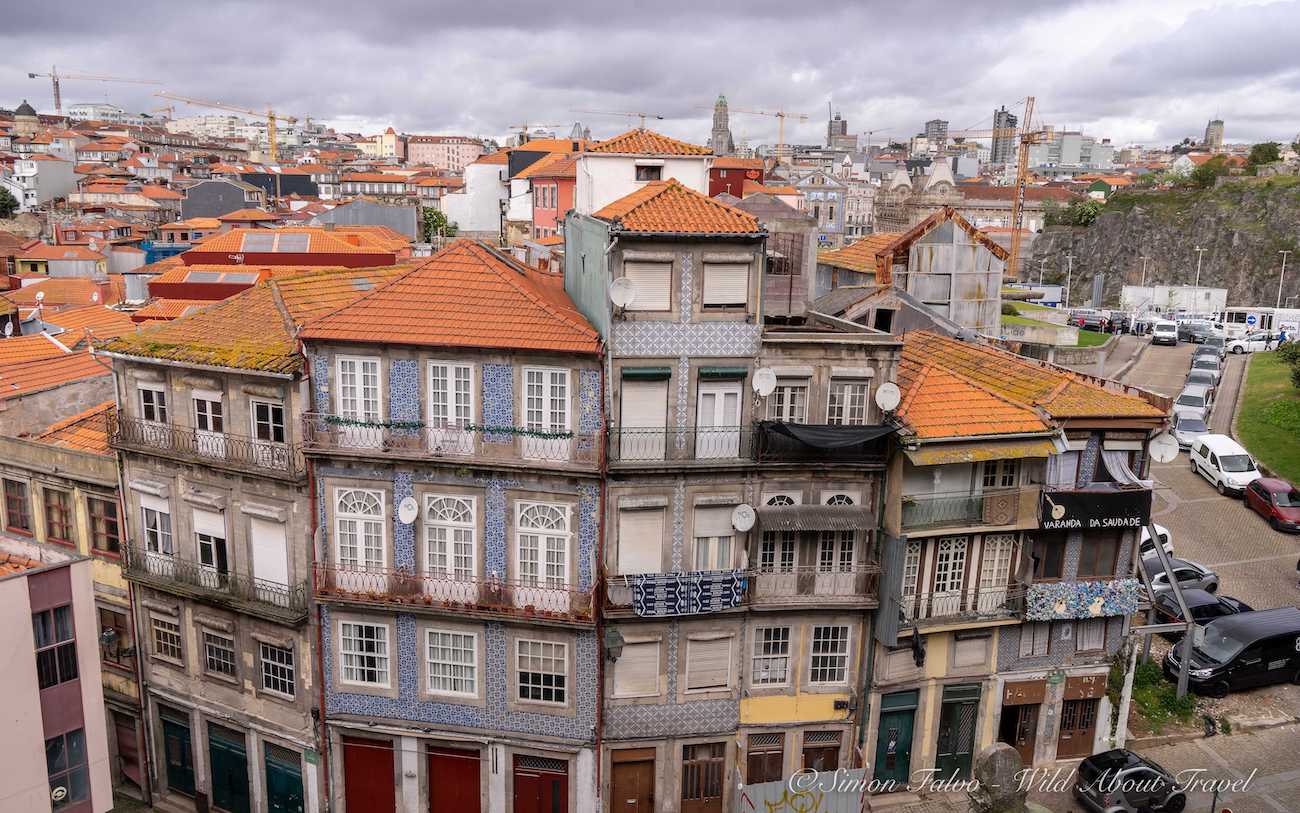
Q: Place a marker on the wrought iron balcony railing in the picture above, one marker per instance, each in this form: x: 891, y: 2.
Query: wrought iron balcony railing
x: 1000, y: 507
x: 704, y: 444
x: 534, y: 599
x: 219, y: 448
x: 171, y: 574
x: 851, y: 585
x: 967, y: 602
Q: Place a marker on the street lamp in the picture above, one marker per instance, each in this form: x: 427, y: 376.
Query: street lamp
x: 1069, y: 272
x: 1282, y: 277
x: 1200, y: 252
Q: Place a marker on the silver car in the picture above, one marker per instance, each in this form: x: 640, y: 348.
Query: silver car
x: 1189, y: 575
x: 1195, y: 400
x: 1209, y: 365
x: 1187, y: 428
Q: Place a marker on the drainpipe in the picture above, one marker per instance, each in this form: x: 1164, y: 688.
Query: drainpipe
x: 598, y: 596
x: 868, y: 644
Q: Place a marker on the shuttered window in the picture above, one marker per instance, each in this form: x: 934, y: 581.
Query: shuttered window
x: 640, y: 541
x: 636, y: 672
x: 708, y: 664
x: 1033, y: 639
x: 653, y: 284
x: 1090, y: 634
x: 726, y: 285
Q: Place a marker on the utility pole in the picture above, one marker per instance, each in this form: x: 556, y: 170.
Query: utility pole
x: 1069, y: 273
x: 1196, y: 289
x: 1144, y: 271
x: 1281, y: 278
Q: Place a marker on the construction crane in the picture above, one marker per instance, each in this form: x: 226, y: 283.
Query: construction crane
x: 780, y: 116
x: 271, y: 116
x: 169, y: 110
x: 55, y: 78
x: 640, y: 116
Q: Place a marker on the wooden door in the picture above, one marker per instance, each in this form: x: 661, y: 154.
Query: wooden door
x: 128, y: 747
x: 632, y: 785
x: 284, y: 793
x: 228, y: 769
x: 956, y: 743
x: 179, y: 755
x: 821, y: 757
x: 368, y: 785
x: 541, y: 785
x: 454, y: 785
x: 1019, y: 729
x: 1078, y: 724
x: 894, y: 747
x: 702, y: 768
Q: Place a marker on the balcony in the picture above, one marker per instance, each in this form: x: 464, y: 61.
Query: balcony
x: 964, y: 509
x: 281, y: 460
x: 282, y: 603
x: 851, y: 586
x: 777, y: 442
x: 702, y: 445
x: 476, y: 597
x: 1003, y: 601
x: 476, y: 444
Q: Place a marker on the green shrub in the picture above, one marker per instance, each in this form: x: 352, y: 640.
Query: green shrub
x: 1009, y: 309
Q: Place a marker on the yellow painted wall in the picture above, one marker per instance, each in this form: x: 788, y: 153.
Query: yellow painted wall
x: 792, y: 708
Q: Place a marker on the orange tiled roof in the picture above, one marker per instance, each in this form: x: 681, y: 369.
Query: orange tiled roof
x: 247, y: 216
x: 647, y: 142
x: 34, y: 376
x: 498, y: 157
x: 552, y: 145
x: 466, y: 295
x: 45, y: 251
x: 343, y: 240
x: 69, y: 291
x: 11, y: 564
x: 253, y: 329
x: 194, y: 223
x: 862, y: 256
x: 102, y: 322
x: 667, y: 207
x: 86, y: 431
x: 22, y: 349
x: 555, y: 165
x: 167, y: 309
x: 1052, y: 391
x: 939, y: 404
x: 877, y: 251
x: 735, y: 162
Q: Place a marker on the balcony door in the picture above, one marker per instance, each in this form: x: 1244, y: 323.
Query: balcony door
x: 156, y: 523
x: 837, y: 554
x: 209, y: 424
x: 451, y: 408
x: 359, y: 540
x: 949, y: 575
x: 359, y: 403
x: 995, y: 571
x: 449, y: 557
x: 270, y: 560
x: 643, y: 433
x: 542, y: 557
x: 778, y: 555
x: 210, y: 539
x: 546, y: 414
x: 717, y: 423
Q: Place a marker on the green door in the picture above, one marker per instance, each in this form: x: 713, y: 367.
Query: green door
x: 957, y: 719
x: 179, y: 755
x: 229, y: 769
x: 894, y: 739
x: 283, y: 780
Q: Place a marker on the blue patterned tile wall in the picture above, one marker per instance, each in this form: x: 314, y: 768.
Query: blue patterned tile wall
x: 403, y: 534
x: 688, y: 287
x: 1088, y: 459
x: 498, y: 400
x: 494, y: 530
x: 679, y: 523
x: 588, y: 532
x: 320, y: 381
x: 404, y: 392
x: 495, y: 714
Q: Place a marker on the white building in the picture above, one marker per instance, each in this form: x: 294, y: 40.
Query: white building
x: 38, y: 179
x: 617, y: 167
x: 1072, y: 149
x: 102, y: 111
x: 1173, y: 299
x: 477, y: 208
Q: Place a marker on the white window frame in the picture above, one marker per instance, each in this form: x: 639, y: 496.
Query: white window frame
x: 1032, y: 635
x: 845, y: 407
x: 206, y: 414
x: 287, y: 671
x: 452, y: 528
x: 1095, y: 627
x: 757, y: 656
x: 844, y: 655
x: 382, y: 518
x: 163, y: 539
x: 539, y: 577
x: 781, y: 404
x: 154, y: 620
x: 386, y: 657
x: 271, y: 404
x: 453, y: 405
x: 470, y: 667
x: 546, y: 650
x: 361, y: 413
x: 159, y: 407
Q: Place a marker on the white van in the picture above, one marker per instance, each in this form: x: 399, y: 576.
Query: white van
x: 1164, y: 332
x: 1222, y: 461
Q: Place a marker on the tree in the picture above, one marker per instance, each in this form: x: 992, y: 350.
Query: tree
x: 1204, y: 176
x: 1083, y: 212
x: 8, y: 204
x: 1264, y: 153
x: 1053, y: 214
x: 435, y: 225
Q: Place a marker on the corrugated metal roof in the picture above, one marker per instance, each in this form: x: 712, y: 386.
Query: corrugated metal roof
x: 815, y: 518
x: 939, y: 454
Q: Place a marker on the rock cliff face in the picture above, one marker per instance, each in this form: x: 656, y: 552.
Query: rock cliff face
x: 1242, y: 224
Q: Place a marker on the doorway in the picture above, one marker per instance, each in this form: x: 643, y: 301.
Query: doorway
x: 128, y: 747
x: 177, y: 751
x: 1078, y: 724
x: 632, y: 785
x: 1019, y: 729
x: 703, y: 765
x: 229, y: 769
x: 368, y: 785
x: 957, y: 718
x: 894, y: 739
x: 454, y: 784
x: 541, y: 784
x: 821, y: 751
x: 717, y: 425
x: 283, y: 780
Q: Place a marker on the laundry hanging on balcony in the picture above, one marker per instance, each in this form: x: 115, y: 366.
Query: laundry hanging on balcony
x: 665, y: 594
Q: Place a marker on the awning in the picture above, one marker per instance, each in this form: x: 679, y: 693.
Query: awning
x: 723, y: 373
x: 826, y: 436
x: 647, y: 373
x: 815, y: 518
x: 940, y: 453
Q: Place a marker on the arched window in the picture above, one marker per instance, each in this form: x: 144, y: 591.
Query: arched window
x: 449, y: 528
x: 359, y: 527
x: 542, y: 544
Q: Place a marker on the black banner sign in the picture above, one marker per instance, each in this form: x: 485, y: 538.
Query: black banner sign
x: 1094, y: 509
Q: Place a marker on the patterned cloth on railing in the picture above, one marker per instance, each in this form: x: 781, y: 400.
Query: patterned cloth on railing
x: 664, y: 594
x: 1053, y: 601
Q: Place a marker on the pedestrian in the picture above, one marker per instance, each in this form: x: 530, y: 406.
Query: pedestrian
x: 1281, y: 338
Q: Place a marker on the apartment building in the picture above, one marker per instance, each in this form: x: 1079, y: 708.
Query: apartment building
x: 450, y: 153
x: 456, y: 438
x: 1018, y: 487
x: 218, y: 526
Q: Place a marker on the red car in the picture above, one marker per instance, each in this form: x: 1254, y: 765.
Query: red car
x: 1276, y: 501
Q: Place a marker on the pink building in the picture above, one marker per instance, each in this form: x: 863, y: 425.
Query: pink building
x: 444, y: 152
x: 55, y: 745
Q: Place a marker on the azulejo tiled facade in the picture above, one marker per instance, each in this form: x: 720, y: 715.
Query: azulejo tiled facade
x: 673, y: 339
x: 498, y: 400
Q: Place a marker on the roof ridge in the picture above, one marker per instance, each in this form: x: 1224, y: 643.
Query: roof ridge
x: 915, y: 387
x: 64, y: 423
x: 376, y: 289
x: 530, y: 292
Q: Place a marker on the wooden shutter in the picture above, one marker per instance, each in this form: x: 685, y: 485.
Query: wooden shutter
x: 1033, y: 639
x: 653, y: 283
x: 640, y: 541
x: 636, y: 672
x: 726, y: 284
x: 708, y: 664
x: 645, y: 404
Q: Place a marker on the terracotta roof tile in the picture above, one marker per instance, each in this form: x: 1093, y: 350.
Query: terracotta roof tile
x: 647, y: 142
x: 69, y: 291
x: 667, y: 207
x: 555, y: 165
x: 11, y: 564
x: 347, y: 240
x: 466, y: 295
x: 86, y: 431
x: 248, y: 216
x: 167, y: 309
x: 34, y: 376
x: 876, y: 251
x: 22, y: 349
x: 102, y: 322
x: 45, y: 251
x: 735, y: 162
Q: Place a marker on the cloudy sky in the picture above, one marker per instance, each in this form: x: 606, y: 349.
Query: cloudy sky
x: 1133, y: 70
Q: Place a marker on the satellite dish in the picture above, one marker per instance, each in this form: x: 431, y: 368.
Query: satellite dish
x: 1163, y: 448
x: 888, y: 396
x: 742, y: 517
x: 408, y: 510
x: 40, y: 296
x: 764, y: 381
x: 622, y: 292
x: 9, y: 329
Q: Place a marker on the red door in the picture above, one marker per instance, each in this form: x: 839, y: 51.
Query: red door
x: 128, y: 748
x: 454, y: 781
x: 541, y: 785
x: 368, y: 785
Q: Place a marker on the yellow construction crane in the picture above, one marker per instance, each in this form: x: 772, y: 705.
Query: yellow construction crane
x: 780, y: 116
x: 168, y: 109
x: 270, y: 115
x: 641, y: 117
x: 55, y: 78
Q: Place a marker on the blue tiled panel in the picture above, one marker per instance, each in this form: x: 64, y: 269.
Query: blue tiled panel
x: 679, y: 523
x: 588, y: 531
x: 320, y: 382
x: 1088, y: 459
x: 403, y: 534
x: 498, y: 400
x: 495, y: 715
x: 688, y: 287
x: 404, y: 391
x: 590, y: 417
x: 494, y: 528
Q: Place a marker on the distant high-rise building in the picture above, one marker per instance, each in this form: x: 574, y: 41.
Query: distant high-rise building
x: 1214, y: 134
x: 721, y: 141
x: 837, y: 134
x: 1004, y: 136
x: 936, y: 132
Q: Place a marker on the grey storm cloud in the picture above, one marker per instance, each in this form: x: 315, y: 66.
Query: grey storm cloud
x: 1151, y: 71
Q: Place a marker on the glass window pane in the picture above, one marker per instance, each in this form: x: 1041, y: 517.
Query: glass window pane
x: 56, y: 755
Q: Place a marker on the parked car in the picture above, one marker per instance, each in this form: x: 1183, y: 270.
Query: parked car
x: 1188, y: 429
x: 1196, y: 332
x: 1218, y: 343
x: 1148, y: 548
x: 1240, y: 651
x: 1276, y: 501
x: 1209, y: 365
x: 1222, y: 461
x: 1164, y: 333
x: 1190, y: 575
x: 1204, y: 607
x: 1254, y: 342
x: 1196, y: 400
x: 1120, y: 780
x: 1096, y: 322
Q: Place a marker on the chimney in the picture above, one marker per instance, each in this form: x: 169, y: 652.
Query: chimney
x: 328, y: 226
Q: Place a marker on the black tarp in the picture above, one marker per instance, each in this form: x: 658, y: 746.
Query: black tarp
x: 825, y: 436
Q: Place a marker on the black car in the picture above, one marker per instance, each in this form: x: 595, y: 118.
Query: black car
x: 1242, y: 651
x: 1219, y: 344
x: 1122, y: 780
x: 1194, y: 332
x: 1204, y: 607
